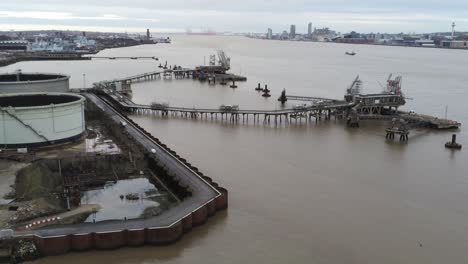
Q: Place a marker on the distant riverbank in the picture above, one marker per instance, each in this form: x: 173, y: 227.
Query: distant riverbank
x: 12, y: 58
x: 366, y: 43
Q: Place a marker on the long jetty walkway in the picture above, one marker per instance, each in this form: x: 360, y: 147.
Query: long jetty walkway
x: 170, y: 73
x: 123, y: 57
x: 148, y: 76
x: 322, y: 108
x: 307, y: 98
x: 205, y: 199
x: 355, y: 107
x: 327, y: 109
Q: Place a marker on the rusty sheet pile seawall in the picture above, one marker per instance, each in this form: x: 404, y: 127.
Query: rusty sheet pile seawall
x: 61, y: 244
x: 206, y: 199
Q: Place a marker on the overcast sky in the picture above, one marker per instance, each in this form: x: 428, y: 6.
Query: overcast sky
x: 234, y: 15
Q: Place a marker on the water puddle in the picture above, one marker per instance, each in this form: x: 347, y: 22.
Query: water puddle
x: 124, y: 199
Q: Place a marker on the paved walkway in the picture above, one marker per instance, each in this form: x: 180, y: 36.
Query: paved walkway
x: 56, y: 219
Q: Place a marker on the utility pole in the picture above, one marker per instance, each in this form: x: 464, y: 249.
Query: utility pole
x: 84, y: 81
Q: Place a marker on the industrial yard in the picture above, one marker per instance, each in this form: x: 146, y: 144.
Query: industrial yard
x: 79, y: 168
x: 91, y: 163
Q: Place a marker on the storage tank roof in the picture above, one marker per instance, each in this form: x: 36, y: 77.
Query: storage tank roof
x: 37, y: 99
x: 30, y: 77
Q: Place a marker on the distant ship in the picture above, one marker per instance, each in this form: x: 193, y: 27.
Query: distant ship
x: 207, y: 32
x: 350, y: 53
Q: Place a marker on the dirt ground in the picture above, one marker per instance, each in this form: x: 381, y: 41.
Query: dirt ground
x: 8, y: 170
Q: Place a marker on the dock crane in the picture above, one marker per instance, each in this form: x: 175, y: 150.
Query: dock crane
x: 224, y: 61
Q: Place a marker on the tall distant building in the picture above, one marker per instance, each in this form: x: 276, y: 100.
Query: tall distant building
x: 309, y: 30
x: 453, y: 29
x: 148, y: 36
x: 270, y: 33
x: 292, y: 32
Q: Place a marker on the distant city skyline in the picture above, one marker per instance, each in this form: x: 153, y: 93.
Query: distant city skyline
x: 235, y: 16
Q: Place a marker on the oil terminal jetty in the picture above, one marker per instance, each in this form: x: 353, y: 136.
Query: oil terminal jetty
x: 177, y: 73
x: 354, y: 108
x: 213, y: 73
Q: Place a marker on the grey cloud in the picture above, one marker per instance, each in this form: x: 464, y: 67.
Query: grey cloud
x: 244, y: 15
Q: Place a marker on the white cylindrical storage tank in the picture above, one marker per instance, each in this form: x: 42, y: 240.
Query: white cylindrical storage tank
x: 35, y: 119
x: 20, y: 82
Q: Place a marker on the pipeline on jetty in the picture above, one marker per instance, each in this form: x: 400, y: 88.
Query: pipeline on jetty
x: 124, y: 58
x: 212, y: 73
x: 177, y: 73
x: 325, y: 108
x: 334, y: 107
x: 355, y: 106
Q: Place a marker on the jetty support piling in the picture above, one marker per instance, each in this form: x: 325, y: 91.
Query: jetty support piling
x: 453, y: 144
x: 233, y: 85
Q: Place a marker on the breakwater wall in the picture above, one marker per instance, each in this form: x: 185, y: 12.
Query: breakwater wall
x: 56, y: 245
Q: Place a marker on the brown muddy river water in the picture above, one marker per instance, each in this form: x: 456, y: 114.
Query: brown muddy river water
x: 315, y: 193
